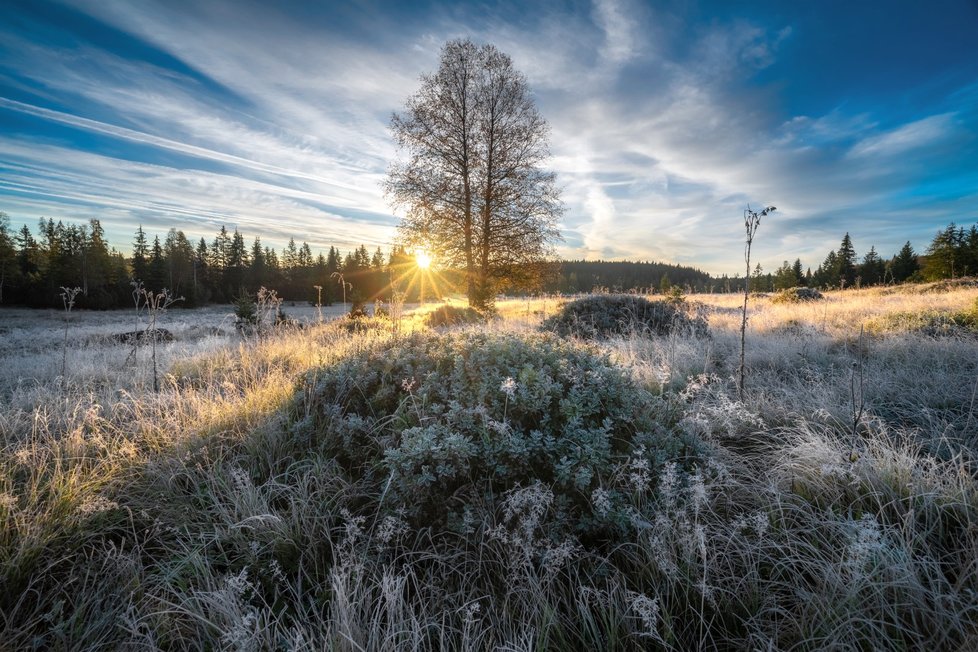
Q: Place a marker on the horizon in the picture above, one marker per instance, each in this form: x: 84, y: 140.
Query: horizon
x: 666, y: 120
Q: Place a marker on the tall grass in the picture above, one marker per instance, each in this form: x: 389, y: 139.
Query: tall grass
x: 201, y: 517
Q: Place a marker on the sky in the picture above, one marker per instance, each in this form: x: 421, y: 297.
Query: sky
x: 667, y: 118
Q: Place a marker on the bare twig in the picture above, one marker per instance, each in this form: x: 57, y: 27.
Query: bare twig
x: 752, y: 220
x: 68, y: 299
x: 157, y: 303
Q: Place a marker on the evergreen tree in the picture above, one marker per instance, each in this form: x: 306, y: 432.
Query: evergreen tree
x: 785, y: 277
x: 945, y: 254
x: 846, y: 262
x: 8, y: 254
x: 180, y: 255
x: 827, y: 274
x: 904, y: 265
x: 969, y: 252
x: 157, y: 273
x: 258, y: 270
x: 140, y: 254
x: 872, y: 269
x: 798, y: 272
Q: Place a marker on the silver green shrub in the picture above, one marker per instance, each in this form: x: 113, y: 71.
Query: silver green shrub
x: 444, y: 425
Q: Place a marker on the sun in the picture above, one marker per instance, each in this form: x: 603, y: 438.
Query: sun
x: 422, y: 258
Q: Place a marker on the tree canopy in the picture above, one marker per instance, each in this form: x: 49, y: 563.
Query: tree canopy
x: 472, y: 178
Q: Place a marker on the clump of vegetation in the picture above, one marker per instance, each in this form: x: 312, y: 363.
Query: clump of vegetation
x: 245, y: 311
x: 933, y: 323
x: 797, y: 295
x: 453, y: 316
x: 358, y: 306
x: 603, y: 316
x: 441, y: 427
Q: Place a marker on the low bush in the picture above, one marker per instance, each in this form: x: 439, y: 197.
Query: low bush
x: 441, y: 427
x: 453, y: 316
x: 797, y: 295
x: 604, y: 316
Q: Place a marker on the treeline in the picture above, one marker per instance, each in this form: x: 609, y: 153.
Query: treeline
x: 952, y: 253
x: 33, y: 268
x: 589, y: 275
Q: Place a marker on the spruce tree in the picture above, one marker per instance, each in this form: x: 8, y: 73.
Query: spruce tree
x: 846, y: 262
x: 904, y: 265
x: 872, y: 268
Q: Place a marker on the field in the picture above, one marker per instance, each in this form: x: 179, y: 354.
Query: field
x: 381, y: 485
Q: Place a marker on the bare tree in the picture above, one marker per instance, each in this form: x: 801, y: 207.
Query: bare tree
x: 472, y: 179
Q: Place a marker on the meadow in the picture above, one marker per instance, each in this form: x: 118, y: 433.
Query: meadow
x: 384, y: 485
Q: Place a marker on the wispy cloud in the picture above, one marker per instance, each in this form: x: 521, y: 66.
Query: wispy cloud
x: 920, y: 133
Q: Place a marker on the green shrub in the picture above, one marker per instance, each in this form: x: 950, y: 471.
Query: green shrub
x: 245, y: 310
x: 440, y: 427
x: 797, y: 295
x: 453, y: 316
x: 608, y: 315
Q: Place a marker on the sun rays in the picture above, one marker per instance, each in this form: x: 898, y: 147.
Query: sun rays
x: 418, y: 277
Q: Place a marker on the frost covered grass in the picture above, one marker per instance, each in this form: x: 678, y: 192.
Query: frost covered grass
x: 490, y: 487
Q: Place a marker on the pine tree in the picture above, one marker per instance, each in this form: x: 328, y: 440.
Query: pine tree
x: 846, y: 262
x: 945, y: 254
x: 798, y: 272
x: 8, y: 255
x: 258, y: 269
x: 785, y: 277
x: 905, y: 264
x: 872, y: 269
x: 157, y: 269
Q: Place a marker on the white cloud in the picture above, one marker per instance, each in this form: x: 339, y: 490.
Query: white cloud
x: 920, y: 133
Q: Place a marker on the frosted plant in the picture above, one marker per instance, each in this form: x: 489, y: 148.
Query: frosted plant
x: 529, y: 504
x: 865, y: 542
x: 499, y: 427
x: 391, y: 528
x: 668, y: 484
x: 757, y: 521
x: 508, y: 387
x: 556, y: 557
x: 647, y: 609
x: 241, y: 637
x: 471, y: 611
x: 97, y: 505
x: 639, y: 471
x: 241, y: 479
x: 698, y: 491
x: 601, y: 501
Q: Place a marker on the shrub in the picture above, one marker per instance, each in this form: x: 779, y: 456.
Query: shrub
x: 453, y: 316
x: 607, y: 315
x: 440, y: 427
x: 797, y: 295
x: 245, y: 310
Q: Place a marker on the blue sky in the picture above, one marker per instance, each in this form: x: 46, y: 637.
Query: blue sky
x: 667, y: 118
